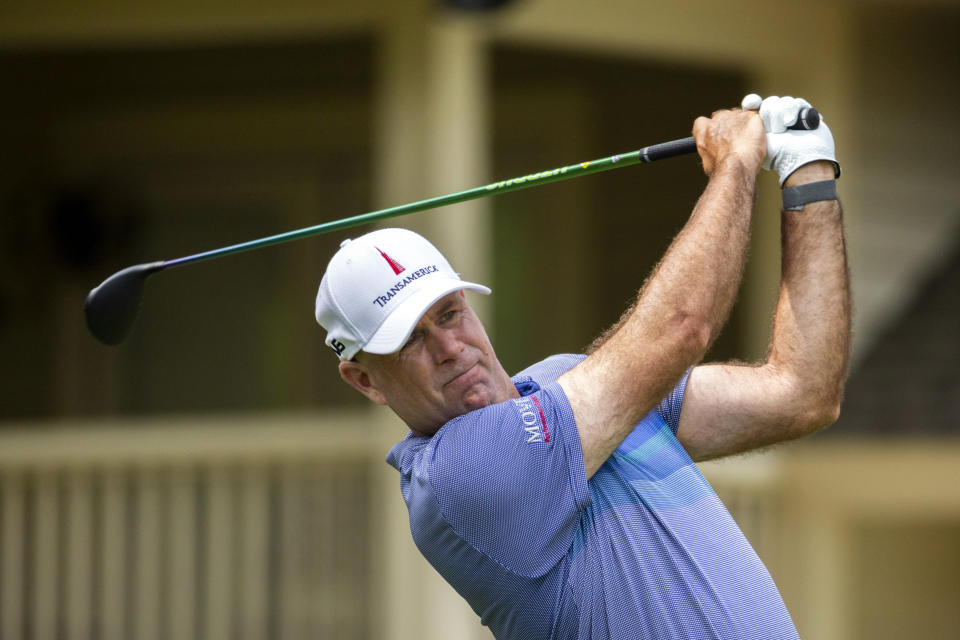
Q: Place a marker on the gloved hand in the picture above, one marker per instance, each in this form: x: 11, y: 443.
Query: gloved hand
x: 789, y: 149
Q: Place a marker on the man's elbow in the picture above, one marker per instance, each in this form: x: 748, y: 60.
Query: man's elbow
x: 694, y: 335
x: 823, y: 417
x: 819, y: 412
x: 808, y: 403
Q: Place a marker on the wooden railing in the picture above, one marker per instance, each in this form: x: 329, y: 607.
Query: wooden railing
x: 283, y: 527
x: 227, y: 528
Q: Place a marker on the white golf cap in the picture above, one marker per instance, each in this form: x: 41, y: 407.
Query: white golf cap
x: 378, y: 286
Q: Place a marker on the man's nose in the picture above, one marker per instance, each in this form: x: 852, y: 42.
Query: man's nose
x: 444, y: 345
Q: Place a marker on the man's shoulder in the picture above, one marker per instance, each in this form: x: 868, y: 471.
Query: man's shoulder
x: 403, y: 455
x: 549, y: 369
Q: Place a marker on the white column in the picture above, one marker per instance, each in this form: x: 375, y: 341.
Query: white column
x: 458, y: 146
x: 830, y: 91
x: 431, y: 140
x: 400, y: 98
x: 432, y: 131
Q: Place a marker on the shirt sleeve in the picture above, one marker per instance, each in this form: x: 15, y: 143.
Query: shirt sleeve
x: 670, y: 407
x: 510, y: 480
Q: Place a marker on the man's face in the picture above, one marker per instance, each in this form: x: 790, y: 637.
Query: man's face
x: 446, y: 369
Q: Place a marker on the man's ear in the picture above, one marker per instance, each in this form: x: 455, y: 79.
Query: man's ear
x: 356, y: 375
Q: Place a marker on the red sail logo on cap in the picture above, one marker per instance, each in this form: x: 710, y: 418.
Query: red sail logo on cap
x: 396, y: 266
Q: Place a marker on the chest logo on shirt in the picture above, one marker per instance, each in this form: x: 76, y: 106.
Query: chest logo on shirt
x: 534, y: 422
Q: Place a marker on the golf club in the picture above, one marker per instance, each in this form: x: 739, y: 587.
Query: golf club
x: 111, y: 307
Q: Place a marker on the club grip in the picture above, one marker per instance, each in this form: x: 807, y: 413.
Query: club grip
x: 667, y: 149
x: 807, y: 120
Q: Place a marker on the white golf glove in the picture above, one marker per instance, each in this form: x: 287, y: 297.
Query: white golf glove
x: 789, y: 149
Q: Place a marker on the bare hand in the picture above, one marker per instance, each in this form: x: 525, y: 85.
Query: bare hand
x: 730, y: 134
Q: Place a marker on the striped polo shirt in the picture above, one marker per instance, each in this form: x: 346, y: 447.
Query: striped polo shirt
x: 500, y: 505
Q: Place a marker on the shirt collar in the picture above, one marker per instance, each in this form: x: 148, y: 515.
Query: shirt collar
x: 525, y: 385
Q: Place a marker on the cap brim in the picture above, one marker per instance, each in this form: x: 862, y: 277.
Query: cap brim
x: 398, y: 326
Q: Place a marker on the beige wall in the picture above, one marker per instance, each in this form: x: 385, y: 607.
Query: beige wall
x: 289, y: 525
x: 832, y: 524
x: 860, y: 537
x: 876, y: 70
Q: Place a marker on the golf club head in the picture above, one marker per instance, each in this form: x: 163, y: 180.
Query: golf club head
x: 112, y: 307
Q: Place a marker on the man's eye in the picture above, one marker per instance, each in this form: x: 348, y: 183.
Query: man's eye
x: 448, y: 316
x: 413, y: 338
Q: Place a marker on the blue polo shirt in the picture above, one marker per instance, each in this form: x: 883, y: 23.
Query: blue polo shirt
x: 500, y: 505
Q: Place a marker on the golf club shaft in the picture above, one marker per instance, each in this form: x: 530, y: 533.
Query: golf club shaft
x: 111, y: 307
x: 646, y: 154
x: 808, y: 118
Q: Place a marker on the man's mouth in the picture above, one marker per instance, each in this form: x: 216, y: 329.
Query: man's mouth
x: 460, y: 375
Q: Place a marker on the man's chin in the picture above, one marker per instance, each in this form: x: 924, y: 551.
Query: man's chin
x: 479, y: 403
x: 477, y: 397
x: 480, y: 392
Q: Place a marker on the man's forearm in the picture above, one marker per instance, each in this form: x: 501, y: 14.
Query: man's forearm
x: 731, y: 408
x: 681, y: 308
x: 683, y: 305
x: 704, y: 264
x: 699, y: 275
x: 811, y: 332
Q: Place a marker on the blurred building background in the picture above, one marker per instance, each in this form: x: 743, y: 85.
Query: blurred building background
x: 213, y: 478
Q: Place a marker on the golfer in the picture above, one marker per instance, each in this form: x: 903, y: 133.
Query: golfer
x: 564, y: 502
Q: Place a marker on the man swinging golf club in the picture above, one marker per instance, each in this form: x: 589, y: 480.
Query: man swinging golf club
x: 564, y: 502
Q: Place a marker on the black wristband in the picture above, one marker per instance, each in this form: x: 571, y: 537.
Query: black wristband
x: 795, y: 197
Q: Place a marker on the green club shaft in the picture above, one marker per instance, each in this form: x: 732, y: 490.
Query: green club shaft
x: 647, y: 154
